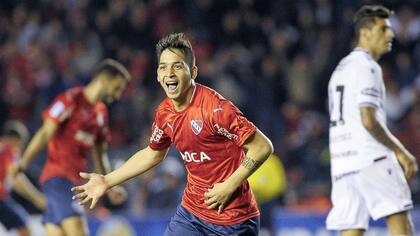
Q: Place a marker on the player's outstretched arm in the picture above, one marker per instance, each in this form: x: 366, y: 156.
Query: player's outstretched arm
x: 384, y: 136
x: 37, y: 143
x: 258, y: 147
x: 98, y: 184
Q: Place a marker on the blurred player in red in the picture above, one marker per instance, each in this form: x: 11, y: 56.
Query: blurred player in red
x: 74, y: 123
x: 14, y: 137
x: 212, y: 136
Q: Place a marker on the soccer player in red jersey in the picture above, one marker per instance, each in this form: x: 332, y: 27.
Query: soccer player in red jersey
x: 74, y: 123
x: 14, y: 137
x: 219, y: 146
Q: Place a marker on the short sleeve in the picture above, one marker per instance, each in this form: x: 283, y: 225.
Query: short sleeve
x: 60, y: 109
x: 369, y: 87
x: 228, y: 121
x: 159, y: 140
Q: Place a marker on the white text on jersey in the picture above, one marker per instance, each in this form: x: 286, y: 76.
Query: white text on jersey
x: 193, y: 157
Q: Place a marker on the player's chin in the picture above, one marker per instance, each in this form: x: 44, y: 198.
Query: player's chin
x: 171, y: 95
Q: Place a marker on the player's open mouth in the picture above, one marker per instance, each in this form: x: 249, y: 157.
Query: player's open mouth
x: 171, y: 85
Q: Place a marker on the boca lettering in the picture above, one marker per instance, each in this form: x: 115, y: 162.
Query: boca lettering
x: 195, y: 157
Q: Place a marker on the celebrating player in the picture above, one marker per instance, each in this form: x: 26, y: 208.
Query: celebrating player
x: 211, y: 135
x: 14, y: 137
x: 370, y: 167
x: 74, y: 123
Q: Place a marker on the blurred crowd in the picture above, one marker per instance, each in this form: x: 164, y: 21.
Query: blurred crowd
x: 273, y: 59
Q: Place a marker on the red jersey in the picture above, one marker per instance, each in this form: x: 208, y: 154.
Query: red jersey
x: 8, y: 155
x: 80, y: 126
x: 209, y: 134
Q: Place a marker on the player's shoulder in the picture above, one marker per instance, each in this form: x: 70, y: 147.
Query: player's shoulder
x: 165, y: 105
x: 71, y: 94
x: 209, y: 96
x: 216, y: 105
x: 356, y: 62
x: 361, y: 58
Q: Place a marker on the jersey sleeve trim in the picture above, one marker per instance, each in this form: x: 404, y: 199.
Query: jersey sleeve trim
x: 368, y: 104
x: 157, y: 148
x: 247, y: 135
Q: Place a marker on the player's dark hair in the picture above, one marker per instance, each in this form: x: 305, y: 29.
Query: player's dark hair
x: 112, y: 68
x: 176, y: 41
x: 366, y: 16
x: 15, y: 129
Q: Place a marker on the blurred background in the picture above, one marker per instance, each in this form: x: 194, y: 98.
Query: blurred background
x: 272, y: 58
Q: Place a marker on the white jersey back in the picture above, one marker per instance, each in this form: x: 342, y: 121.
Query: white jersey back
x: 357, y: 81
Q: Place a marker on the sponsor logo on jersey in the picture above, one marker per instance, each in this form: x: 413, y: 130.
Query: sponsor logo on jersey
x: 85, y: 137
x: 195, y: 157
x: 157, y: 134
x: 340, y: 138
x: 196, y: 126
x: 224, y: 132
x: 348, y: 153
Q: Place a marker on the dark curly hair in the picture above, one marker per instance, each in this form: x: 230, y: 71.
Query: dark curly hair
x: 176, y: 41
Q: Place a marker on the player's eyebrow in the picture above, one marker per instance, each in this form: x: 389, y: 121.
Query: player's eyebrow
x: 175, y: 62
x: 169, y: 63
x: 180, y: 63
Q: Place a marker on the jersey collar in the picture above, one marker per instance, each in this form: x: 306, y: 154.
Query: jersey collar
x: 359, y: 49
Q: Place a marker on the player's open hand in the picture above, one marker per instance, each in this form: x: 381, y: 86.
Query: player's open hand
x: 218, y: 196
x: 93, y: 190
x: 408, y: 163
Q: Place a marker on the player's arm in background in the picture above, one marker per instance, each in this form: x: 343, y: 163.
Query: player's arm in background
x: 101, y: 164
x: 98, y: 184
x: 23, y: 186
x: 258, y: 149
x: 383, y: 135
x: 38, y: 142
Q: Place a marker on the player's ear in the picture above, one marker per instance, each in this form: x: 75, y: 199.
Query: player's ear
x: 365, y: 33
x: 194, y: 72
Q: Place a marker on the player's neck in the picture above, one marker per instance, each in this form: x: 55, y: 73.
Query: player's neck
x: 92, y: 92
x: 182, y: 102
x: 366, y: 47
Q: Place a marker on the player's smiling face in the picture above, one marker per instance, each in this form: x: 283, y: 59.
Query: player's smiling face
x: 175, y: 76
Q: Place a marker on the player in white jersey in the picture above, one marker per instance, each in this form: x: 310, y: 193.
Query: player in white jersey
x: 370, y: 168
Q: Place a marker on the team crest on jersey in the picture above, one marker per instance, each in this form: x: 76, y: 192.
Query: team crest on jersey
x: 196, y: 126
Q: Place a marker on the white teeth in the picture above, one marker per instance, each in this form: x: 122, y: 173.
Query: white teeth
x: 172, y: 85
